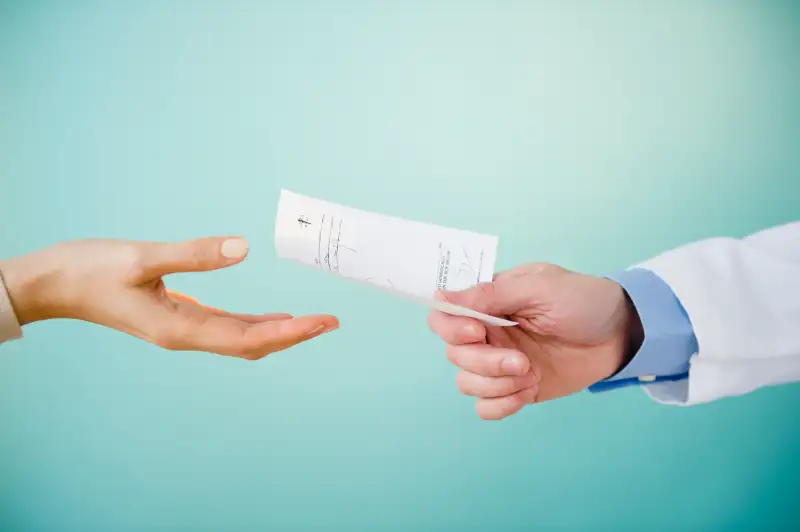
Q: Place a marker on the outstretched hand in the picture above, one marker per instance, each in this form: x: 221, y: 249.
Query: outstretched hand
x: 120, y: 284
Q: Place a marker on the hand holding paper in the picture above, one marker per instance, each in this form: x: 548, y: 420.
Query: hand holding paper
x: 409, y: 259
x: 574, y: 331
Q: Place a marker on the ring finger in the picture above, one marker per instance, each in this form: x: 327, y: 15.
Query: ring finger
x: 491, y: 387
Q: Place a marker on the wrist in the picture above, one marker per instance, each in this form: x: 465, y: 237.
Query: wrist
x: 658, y: 339
x: 629, y: 334
x: 634, y: 333
x: 30, y: 282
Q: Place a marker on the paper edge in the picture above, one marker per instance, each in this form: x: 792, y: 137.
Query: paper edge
x: 495, y: 238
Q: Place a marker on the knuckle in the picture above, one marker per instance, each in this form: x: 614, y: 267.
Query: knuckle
x: 437, y: 325
x: 544, y: 268
x: 444, y: 327
x: 462, y: 383
x: 432, y: 321
x: 452, y: 354
x: 487, y: 290
x: 196, y: 254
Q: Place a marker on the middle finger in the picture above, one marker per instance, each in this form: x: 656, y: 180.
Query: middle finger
x: 489, y: 361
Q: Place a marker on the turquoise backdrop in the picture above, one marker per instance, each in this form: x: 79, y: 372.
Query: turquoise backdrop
x: 591, y: 134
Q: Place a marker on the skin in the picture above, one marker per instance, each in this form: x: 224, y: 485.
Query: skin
x: 574, y: 330
x: 120, y: 284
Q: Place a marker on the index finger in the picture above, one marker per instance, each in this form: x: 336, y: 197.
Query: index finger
x: 456, y: 330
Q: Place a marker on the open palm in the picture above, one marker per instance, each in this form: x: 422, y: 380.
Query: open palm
x: 120, y: 284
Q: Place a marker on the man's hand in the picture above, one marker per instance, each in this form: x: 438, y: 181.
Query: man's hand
x: 119, y: 284
x: 574, y: 330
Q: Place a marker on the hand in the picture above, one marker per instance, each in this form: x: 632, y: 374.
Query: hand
x: 118, y: 284
x: 574, y: 330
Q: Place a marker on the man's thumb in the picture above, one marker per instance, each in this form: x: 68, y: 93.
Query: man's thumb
x: 503, y: 296
x: 202, y: 254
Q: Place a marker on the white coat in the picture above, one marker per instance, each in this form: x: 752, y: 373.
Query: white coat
x: 743, y: 300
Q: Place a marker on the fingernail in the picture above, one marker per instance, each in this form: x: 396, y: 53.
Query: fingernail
x: 234, y: 248
x: 512, y: 365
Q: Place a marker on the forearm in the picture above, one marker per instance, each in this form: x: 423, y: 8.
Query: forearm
x: 10, y: 328
x: 28, y: 290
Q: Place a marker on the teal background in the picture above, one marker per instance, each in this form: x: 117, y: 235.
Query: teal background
x: 593, y: 135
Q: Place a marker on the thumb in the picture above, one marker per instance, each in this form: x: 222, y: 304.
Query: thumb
x: 202, y: 254
x: 508, y: 293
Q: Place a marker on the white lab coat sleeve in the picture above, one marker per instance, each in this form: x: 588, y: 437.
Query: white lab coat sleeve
x: 742, y: 297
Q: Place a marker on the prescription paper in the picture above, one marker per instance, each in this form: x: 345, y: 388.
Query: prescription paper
x: 409, y: 259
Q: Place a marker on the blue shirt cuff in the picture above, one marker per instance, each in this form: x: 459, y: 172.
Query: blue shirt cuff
x: 669, y: 340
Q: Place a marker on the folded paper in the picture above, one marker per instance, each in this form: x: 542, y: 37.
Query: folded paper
x: 410, y: 259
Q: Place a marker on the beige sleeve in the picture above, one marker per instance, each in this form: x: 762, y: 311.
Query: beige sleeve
x: 9, y: 324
